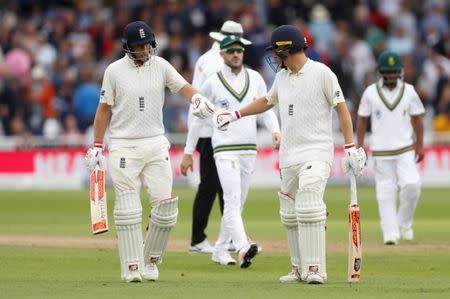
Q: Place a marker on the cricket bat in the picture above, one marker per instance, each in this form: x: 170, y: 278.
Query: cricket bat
x: 354, y: 235
x: 99, y: 211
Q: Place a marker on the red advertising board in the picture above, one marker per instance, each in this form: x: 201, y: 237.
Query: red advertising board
x: 65, y: 168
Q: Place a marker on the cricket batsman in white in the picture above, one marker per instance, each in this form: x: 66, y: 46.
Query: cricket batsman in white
x: 396, y: 144
x: 306, y: 92
x: 131, y: 103
x: 232, y: 87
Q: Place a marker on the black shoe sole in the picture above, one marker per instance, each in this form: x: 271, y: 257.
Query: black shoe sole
x: 252, y: 251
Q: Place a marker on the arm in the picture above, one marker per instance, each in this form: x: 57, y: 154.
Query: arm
x: 94, y: 155
x: 361, y: 128
x: 354, y: 159
x: 417, y: 123
x: 101, y: 121
x: 223, y: 118
x: 191, y: 141
x: 202, y: 107
x: 345, y: 122
x: 188, y: 91
x: 257, y: 106
x: 271, y: 123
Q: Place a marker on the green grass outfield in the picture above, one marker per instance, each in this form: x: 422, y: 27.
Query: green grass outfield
x: 30, y: 267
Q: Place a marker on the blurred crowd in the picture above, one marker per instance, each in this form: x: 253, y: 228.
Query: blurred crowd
x: 53, y: 53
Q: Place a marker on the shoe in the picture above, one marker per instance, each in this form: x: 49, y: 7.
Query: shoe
x: 150, y: 272
x: 223, y: 258
x: 202, y: 247
x: 314, y: 278
x: 132, y: 274
x: 391, y: 242
x: 291, y: 277
x: 246, y: 255
x: 132, y: 277
x: 259, y: 247
x: 406, y: 234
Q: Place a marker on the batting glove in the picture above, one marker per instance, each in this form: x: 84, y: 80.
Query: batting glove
x: 202, y: 108
x: 223, y: 118
x: 95, y: 156
x: 354, y: 159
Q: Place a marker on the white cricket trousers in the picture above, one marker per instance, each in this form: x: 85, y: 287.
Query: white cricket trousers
x: 147, y: 164
x: 392, y: 175
x: 235, y: 171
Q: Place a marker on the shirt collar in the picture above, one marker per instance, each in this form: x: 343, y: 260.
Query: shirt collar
x: 304, y: 68
x: 226, y: 71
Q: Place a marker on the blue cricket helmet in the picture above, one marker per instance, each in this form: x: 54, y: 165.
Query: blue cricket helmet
x: 287, y: 36
x: 138, y: 33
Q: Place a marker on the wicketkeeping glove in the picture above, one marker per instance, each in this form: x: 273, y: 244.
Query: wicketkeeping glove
x: 223, y: 118
x: 95, y: 156
x: 354, y: 159
x: 202, y: 108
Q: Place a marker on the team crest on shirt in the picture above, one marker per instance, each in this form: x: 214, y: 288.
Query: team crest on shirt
x: 378, y: 114
x: 224, y: 104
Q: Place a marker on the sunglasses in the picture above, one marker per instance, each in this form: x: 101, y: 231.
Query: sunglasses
x: 233, y: 50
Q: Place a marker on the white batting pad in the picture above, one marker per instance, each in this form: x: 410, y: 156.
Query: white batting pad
x: 163, y: 218
x: 311, y: 216
x: 289, y: 220
x: 128, y: 219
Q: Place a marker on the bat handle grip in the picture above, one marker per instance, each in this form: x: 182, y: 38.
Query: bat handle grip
x: 353, y: 196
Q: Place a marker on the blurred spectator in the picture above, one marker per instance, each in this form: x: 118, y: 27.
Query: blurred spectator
x: 19, y: 130
x: 376, y: 40
x: 62, y: 41
x: 18, y: 63
x: 41, y: 97
x: 321, y: 28
x: 86, y: 98
x: 12, y: 103
x: 51, y: 129
x: 406, y: 20
x: 435, y: 67
x: 434, y: 18
x: 45, y: 52
x: 442, y: 119
x: 399, y: 41
x: 71, y: 135
x: 363, y: 61
x: 176, y: 54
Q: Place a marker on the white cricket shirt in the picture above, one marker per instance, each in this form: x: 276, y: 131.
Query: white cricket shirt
x: 306, y: 100
x: 231, y: 92
x: 207, y: 65
x: 390, y: 111
x: 136, y: 96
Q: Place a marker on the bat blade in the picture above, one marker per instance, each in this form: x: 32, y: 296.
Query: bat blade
x: 354, y: 241
x: 99, y: 211
x: 354, y: 235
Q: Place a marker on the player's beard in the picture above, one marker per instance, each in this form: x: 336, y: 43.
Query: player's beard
x: 235, y: 65
x: 390, y: 79
x: 139, y: 58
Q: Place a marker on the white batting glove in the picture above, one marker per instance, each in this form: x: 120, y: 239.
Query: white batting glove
x: 354, y: 159
x: 95, y: 156
x: 202, y: 107
x: 223, y: 118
